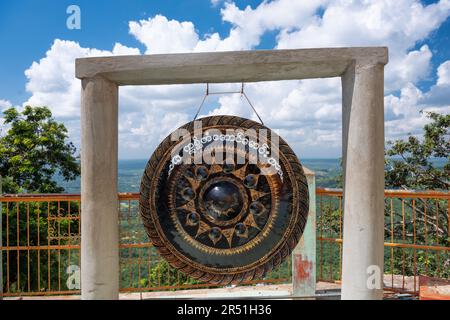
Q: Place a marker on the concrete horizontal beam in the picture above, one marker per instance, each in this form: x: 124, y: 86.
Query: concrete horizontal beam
x: 231, y: 66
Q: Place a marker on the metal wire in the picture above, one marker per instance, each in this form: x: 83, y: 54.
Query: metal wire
x: 203, y: 101
x: 241, y: 92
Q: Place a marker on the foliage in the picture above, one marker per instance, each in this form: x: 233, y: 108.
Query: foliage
x: 410, y: 162
x: 33, y: 150
x: 422, y: 164
x: 163, y: 275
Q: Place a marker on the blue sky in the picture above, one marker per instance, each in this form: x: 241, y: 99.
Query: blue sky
x: 28, y: 28
x: 38, y: 50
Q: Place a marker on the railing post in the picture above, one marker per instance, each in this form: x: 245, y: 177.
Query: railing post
x: 304, y: 254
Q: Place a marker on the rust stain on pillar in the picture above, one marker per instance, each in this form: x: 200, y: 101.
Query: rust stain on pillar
x: 303, y: 268
x: 304, y: 254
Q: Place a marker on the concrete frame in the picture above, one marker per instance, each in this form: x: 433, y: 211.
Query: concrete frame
x: 362, y: 74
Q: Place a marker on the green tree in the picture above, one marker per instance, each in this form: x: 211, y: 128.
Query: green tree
x: 421, y: 164
x: 33, y: 150
x: 411, y: 163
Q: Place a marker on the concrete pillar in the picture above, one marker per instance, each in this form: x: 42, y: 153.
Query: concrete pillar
x: 304, y: 254
x: 363, y: 158
x: 99, y: 203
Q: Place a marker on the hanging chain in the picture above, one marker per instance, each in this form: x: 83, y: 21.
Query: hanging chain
x: 241, y: 92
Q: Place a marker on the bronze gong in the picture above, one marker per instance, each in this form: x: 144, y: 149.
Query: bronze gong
x: 220, y: 205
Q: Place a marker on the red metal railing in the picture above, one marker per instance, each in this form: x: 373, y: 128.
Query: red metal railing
x: 417, y: 237
x: 41, y: 249
x: 41, y: 244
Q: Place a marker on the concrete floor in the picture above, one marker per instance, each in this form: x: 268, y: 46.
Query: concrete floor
x: 283, y: 291
x: 324, y: 290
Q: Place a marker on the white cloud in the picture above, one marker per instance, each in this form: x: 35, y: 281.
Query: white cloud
x: 406, y: 113
x: 52, y: 82
x: 410, y: 68
x: 121, y: 50
x: 443, y: 73
x: 402, y: 105
x: 147, y: 113
x: 439, y: 94
x: 396, y: 24
x: 161, y: 35
x: 307, y: 113
x: 249, y: 25
x: 216, y: 2
x: 4, y: 104
x: 315, y: 105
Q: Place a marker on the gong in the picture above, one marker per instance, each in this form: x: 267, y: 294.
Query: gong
x: 224, y: 200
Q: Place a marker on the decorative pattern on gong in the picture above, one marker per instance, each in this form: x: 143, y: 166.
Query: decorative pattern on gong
x: 223, y: 209
x: 232, y: 216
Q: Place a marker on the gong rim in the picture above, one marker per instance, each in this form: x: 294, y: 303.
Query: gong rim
x: 149, y: 207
